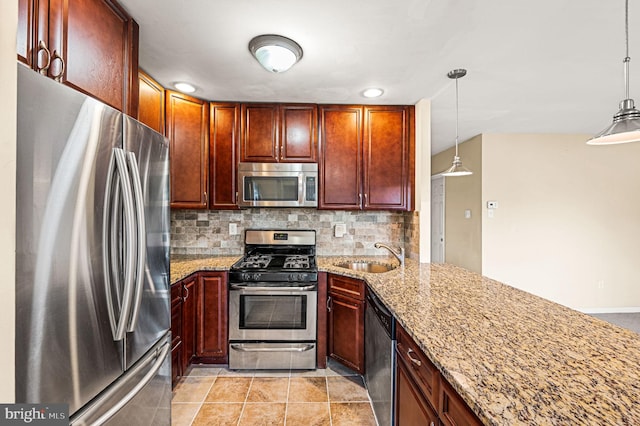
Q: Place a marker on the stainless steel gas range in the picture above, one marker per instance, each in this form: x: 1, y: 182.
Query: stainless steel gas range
x: 273, y: 297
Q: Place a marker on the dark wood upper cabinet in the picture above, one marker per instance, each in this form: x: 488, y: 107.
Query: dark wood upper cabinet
x: 187, y: 123
x: 366, y: 158
x: 298, y: 133
x: 90, y: 45
x: 278, y: 133
x: 224, y: 133
x: 340, y: 157
x: 386, y: 154
x: 151, y: 102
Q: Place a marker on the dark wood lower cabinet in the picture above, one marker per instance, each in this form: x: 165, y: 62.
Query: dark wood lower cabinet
x: 212, y: 318
x: 189, y: 320
x: 423, y: 395
x: 411, y: 407
x: 198, y: 321
x: 176, y: 332
x: 453, y: 410
x: 345, y: 330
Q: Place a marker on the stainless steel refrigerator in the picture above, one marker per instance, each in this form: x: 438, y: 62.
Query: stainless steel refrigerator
x: 92, y: 258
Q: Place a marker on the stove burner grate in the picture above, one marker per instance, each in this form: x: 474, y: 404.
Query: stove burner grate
x: 296, y: 262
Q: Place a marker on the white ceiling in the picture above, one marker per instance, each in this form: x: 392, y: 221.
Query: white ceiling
x: 533, y: 66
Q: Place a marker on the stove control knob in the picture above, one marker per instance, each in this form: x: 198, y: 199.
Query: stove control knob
x: 256, y: 276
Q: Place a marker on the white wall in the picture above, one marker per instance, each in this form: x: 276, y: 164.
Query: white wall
x: 8, y: 25
x: 567, y: 226
x: 423, y: 176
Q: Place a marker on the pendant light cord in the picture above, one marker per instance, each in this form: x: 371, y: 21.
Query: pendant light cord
x: 627, y: 59
x: 457, y: 115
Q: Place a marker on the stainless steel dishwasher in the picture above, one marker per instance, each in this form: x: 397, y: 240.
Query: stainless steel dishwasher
x: 380, y: 358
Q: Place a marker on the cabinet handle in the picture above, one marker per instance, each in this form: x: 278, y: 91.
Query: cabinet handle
x: 432, y: 424
x: 329, y: 303
x: 58, y: 77
x: 360, y: 199
x: 184, y: 287
x: 413, y: 360
x: 366, y: 199
x: 42, y: 47
x: 206, y: 198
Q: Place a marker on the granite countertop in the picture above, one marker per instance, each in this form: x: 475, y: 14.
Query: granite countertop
x: 183, y: 265
x: 515, y: 358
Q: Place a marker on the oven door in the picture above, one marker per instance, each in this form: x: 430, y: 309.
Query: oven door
x: 272, y: 313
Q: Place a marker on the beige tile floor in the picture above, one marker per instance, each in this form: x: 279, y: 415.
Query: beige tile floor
x: 335, y: 396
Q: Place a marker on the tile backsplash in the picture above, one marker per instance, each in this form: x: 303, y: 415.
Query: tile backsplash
x: 208, y: 232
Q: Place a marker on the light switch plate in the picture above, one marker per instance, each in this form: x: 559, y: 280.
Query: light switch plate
x: 339, y: 230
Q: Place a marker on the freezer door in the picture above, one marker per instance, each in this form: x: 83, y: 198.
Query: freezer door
x: 65, y: 351
x: 148, y: 156
x: 141, y: 397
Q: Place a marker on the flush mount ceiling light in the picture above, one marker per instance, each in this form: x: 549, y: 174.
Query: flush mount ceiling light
x: 184, y: 87
x: 373, y: 92
x: 457, y: 169
x: 274, y: 52
x: 626, y: 123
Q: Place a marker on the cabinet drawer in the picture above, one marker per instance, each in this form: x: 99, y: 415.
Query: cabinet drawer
x: 346, y: 286
x: 423, y: 372
x: 453, y: 410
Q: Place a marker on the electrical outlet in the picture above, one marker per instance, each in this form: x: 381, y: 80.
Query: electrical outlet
x: 339, y: 230
x: 233, y: 229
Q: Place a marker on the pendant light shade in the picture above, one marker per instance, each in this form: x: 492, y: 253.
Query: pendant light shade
x: 457, y: 169
x: 274, y: 52
x: 626, y: 123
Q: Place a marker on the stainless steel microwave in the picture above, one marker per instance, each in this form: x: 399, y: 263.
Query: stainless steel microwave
x: 277, y: 185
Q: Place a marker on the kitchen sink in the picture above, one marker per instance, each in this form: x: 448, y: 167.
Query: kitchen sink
x: 366, y: 267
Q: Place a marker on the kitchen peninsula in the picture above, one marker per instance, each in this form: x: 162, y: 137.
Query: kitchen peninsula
x: 513, y: 357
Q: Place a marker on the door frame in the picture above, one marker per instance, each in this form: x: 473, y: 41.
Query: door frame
x: 436, y: 179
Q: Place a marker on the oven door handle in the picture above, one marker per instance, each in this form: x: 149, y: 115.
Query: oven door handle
x: 253, y: 288
x: 241, y: 348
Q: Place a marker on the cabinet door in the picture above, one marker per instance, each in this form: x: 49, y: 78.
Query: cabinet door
x: 224, y: 131
x: 176, y: 332
x: 94, y: 48
x: 212, y: 317
x: 259, y: 133
x: 151, y: 103
x: 411, y: 406
x: 32, y: 36
x: 386, y: 154
x: 298, y: 140
x: 453, y: 410
x: 188, y: 133
x: 340, y: 157
x: 346, y: 331
x: 189, y: 307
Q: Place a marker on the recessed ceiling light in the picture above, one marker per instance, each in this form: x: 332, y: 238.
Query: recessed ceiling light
x: 184, y: 87
x: 373, y: 92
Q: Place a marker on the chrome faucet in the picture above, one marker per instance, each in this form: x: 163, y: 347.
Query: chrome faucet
x: 399, y: 255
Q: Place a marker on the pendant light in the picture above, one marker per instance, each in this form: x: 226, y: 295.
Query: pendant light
x: 626, y: 123
x: 457, y: 169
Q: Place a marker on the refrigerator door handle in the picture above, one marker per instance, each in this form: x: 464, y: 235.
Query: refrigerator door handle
x: 107, y: 262
x: 119, y: 327
x: 84, y: 418
x: 141, y: 239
